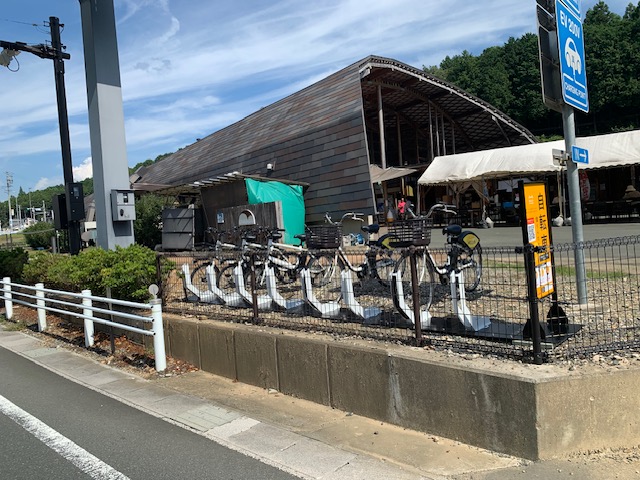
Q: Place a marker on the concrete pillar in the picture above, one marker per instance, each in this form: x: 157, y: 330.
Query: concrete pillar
x: 106, y: 119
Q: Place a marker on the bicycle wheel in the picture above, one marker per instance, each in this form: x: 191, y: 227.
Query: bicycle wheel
x: 258, y: 267
x: 199, y: 277
x: 325, y: 277
x: 470, y: 261
x: 384, y: 266
x: 425, y: 278
x: 225, y: 278
x: 322, y: 267
x: 284, y: 266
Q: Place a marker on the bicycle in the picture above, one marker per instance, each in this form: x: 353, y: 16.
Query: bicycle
x: 223, y: 255
x: 463, y: 254
x: 378, y: 263
x: 286, y: 260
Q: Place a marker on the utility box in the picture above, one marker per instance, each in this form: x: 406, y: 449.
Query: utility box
x: 59, y: 207
x: 74, y: 202
x: 182, y: 228
x: 123, y: 206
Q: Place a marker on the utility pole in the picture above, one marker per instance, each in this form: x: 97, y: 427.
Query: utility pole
x: 9, y: 183
x: 73, y: 192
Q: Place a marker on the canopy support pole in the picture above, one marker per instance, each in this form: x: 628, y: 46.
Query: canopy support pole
x: 383, y: 149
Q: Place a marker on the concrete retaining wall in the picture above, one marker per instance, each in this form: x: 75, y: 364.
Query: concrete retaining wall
x: 534, y: 412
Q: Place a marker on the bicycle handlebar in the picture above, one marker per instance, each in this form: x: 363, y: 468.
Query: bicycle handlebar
x: 350, y: 215
x: 443, y: 207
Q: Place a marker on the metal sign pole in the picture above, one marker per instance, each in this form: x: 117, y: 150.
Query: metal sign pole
x: 573, y: 181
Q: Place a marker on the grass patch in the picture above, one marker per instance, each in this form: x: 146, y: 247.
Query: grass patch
x: 10, y: 326
x: 562, y: 271
x: 591, y: 274
x: 504, y: 265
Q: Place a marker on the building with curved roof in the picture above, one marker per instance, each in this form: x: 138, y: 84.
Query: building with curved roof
x: 375, y: 112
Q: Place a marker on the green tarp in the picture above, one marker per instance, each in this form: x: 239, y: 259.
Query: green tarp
x: 292, y: 203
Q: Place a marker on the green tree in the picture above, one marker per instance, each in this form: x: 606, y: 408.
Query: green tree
x: 38, y: 235
x: 508, y: 76
x: 147, y: 226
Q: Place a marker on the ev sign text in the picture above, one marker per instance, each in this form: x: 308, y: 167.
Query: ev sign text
x: 572, y: 66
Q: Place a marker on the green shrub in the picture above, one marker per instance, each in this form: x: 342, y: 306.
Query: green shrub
x: 38, y: 235
x: 12, y: 263
x: 42, y: 268
x: 132, y: 273
x: 128, y: 272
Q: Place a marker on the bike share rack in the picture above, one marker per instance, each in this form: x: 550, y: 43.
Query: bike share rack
x: 279, y: 300
x: 397, y: 292
x: 232, y: 299
x: 214, y: 294
x: 459, y: 304
x: 263, y: 301
x: 368, y: 314
x: 200, y: 295
x: 325, y: 310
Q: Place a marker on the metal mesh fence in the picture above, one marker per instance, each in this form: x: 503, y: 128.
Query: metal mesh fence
x: 354, y: 293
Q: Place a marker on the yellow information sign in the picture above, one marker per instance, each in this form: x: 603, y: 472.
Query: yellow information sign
x: 539, y: 235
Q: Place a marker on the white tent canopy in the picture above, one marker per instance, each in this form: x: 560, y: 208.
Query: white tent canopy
x: 379, y: 174
x: 612, y: 150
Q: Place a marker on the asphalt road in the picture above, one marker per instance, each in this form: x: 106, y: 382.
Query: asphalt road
x: 56, y: 429
x: 512, y: 236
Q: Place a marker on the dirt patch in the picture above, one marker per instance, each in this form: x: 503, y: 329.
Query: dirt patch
x: 123, y: 353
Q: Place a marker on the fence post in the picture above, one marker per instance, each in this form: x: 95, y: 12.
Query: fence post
x: 8, y: 304
x: 42, y: 313
x: 158, y: 335
x: 88, y: 314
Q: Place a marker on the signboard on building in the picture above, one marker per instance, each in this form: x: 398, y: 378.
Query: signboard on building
x: 537, y: 233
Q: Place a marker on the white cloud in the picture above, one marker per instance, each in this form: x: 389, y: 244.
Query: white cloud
x: 43, y: 183
x: 84, y: 170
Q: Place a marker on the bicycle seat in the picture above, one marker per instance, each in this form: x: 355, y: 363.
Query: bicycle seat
x: 301, y: 236
x: 375, y: 228
x: 275, y: 235
x: 453, y: 230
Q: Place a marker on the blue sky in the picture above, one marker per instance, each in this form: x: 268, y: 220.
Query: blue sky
x: 191, y: 67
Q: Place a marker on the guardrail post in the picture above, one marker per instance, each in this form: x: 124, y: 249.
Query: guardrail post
x: 158, y: 335
x: 88, y: 314
x: 42, y: 313
x: 8, y: 304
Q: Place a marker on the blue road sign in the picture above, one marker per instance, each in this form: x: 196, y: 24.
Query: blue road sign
x: 574, y: 5
x: 579, y: 155
x: 572, y: 66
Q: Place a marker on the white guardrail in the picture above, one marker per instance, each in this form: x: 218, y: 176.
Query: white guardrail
x: 43, y: 305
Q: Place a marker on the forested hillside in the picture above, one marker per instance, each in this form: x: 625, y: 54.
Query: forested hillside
x: 508, y: 76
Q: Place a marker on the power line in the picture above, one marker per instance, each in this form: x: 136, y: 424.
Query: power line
x: 17, y: 21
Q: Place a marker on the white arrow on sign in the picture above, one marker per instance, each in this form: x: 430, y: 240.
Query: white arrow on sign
x: 579, y: 155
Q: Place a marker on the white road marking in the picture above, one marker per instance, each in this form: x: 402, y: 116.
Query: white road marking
x: 88, y: 463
